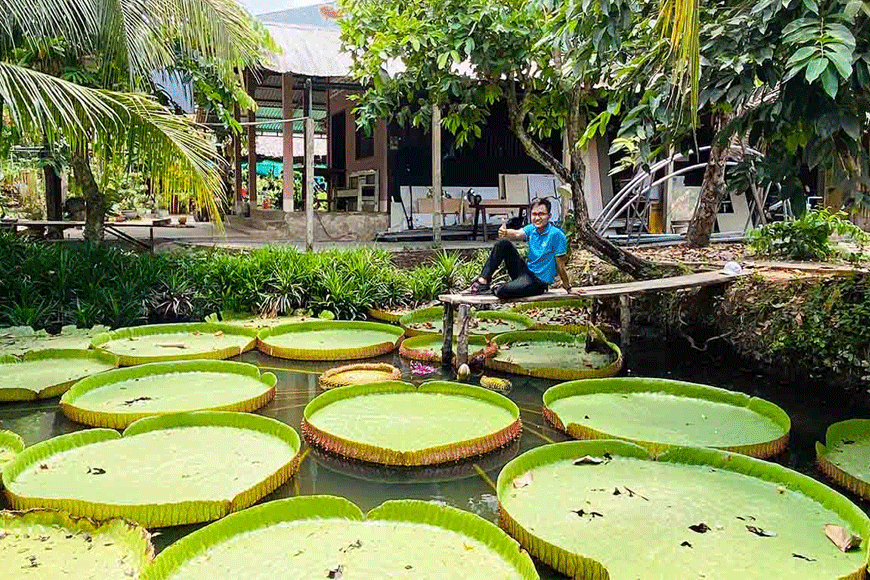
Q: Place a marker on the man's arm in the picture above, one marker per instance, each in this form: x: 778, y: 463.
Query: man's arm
x: 517, y: 235
x: 561, y: 262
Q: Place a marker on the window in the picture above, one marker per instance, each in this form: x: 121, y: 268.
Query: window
x: 365, y: 145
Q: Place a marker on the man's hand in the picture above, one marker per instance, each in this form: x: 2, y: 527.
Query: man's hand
x: 502, y: 231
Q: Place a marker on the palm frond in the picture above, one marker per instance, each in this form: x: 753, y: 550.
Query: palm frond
x: 679, y: 21
x: 176, y: 152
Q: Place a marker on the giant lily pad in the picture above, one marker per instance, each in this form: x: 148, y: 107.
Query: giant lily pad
x: 486, y: 323
x: 44, y: 374
x: 329, y: 340
x: 166, y: 342
x: 427, y: 347
x: 845, y: 457
x: 358, y: 374
x: 117, y: 398
x: 605, y: 509
x: 329, y: 537
x: 555, y: 355
x: 19, y: 340
x: 659, y: 414
x: 51, y: 545
x: 11, y: 444
x: 563, y: 315
x: 164, y: 471
x: 253, y: 322
x: 396, y: 423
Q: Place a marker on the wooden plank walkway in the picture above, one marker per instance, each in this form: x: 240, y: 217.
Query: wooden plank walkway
x: 462, y: 303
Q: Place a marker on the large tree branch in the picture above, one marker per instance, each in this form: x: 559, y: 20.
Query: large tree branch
x: 517, y: 116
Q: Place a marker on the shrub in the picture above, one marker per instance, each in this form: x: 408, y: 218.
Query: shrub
x: 47, y: 286
x: 808, y: 237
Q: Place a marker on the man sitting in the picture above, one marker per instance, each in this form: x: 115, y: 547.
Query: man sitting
x: 548, y: 248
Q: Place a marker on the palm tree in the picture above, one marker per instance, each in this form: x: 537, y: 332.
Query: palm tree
x: 129, y: 40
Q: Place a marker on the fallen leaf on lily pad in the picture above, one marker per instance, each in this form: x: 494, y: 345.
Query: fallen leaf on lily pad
x: 842, y: 538
x: 589, y: 460
x: 701, y: 528
x: 523, y: 480
x: 760, y: 532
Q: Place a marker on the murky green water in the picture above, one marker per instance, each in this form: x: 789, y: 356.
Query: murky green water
x: 811, y: 407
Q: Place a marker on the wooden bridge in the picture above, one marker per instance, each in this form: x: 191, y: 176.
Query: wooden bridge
x: 462, y: 303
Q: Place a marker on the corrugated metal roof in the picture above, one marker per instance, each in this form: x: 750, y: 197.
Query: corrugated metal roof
x: 307, y: 51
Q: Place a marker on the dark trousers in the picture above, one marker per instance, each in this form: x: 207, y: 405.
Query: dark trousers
x: 522, y: 281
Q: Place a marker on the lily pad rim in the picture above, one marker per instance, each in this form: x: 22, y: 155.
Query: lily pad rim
x: 24, y: 394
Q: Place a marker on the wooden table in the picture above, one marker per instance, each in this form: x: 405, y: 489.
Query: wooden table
x: 485, y: 204
x: 112, y: 228
x: 624, y: 291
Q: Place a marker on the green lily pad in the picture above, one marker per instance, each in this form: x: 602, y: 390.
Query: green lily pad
x: 486, y: 323
x: 19, y: 340
x: 606, y: 509
x: 561, y: 315
x: 845, y: 457
x: 427, y: 347
x: 48, y: 373
x: 168, y: 342
x: 50, y: 545
x: 555, y: 355
x: 396, y: 423
x: 329, y: 537
x: 659, y: 414
x: 117, y: 398
x: 164, y: 471
x: 11, y: 444
x: 329, y: 340
x: 253, y: 322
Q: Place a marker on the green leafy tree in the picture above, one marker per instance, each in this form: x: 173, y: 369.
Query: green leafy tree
x: 790, y: 78
x: 544, y: 58
x: 100, y: 107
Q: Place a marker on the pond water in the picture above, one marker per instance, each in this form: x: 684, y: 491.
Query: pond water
x: 812, y: 408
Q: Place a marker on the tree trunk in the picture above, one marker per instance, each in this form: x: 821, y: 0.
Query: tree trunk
x: 96, y: 202
x: 600, y: 246
x: 712, y: 192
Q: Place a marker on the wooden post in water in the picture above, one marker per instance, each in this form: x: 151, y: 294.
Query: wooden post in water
x: 462, y: 342
x: 625, y: 319
x: 447, y: 324
x: 309, y: 183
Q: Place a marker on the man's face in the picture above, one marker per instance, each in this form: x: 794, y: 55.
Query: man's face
x: 540, y: 216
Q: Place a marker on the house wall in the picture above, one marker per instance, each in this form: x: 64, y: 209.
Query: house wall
x: 339, y: 102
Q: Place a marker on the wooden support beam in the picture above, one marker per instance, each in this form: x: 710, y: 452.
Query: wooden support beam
x: 625, y: 319
x: 309, y: 183
x: 438, y: 205
x: 447, y: 347
x: 307, y: 105
x: 288, y: 197
x: 462, y: 341
x: 237, y: 158
x: 252, y: 147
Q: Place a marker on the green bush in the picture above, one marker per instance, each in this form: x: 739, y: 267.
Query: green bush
x: 808, y: 237
x: 50, y: 285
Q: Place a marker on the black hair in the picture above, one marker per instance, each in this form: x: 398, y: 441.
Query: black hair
x: 544, y: 202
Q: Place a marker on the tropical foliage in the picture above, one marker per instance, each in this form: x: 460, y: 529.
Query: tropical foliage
x: 543, y: 58
x: 808, y: 237
x: 790, y: 79
x: 53, y: 285
x: 74, y: 75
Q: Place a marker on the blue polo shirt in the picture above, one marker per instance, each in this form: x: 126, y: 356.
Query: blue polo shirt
x: 543, y: 249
